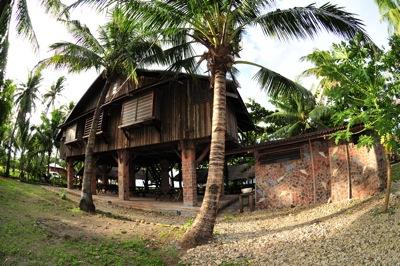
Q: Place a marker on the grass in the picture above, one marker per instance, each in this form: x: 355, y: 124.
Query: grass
x: 24, y: 241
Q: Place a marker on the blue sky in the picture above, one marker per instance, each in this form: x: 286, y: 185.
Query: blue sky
x: 282, y: 57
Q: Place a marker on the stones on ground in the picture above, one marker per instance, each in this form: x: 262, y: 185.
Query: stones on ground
x: 331, y: 234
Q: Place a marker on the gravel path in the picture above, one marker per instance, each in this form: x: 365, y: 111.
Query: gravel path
x: 354, y: 232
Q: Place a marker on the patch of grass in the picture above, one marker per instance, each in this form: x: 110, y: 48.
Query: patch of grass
x: 228, y: 218
x: 24, y: 241
x: 187, y: 224
x: 63, y: 194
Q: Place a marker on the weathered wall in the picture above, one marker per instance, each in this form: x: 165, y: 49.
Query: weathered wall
x: 291, y: 183
x: 367, y: 171
x: 288, y: 183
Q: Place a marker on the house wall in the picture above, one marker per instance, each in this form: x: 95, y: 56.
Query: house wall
x: 291, y: 182
x: 185, y: 112
x: 367, y: 171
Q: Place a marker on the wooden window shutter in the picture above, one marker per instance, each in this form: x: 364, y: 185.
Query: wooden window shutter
x: 70, y: 133
x: 138, y: 110
x: 88, y: 125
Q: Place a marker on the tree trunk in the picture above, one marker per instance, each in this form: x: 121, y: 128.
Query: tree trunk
x: 86, y: 202
x: 48, y: 162
x: 203, y: 225
x: 10, y: 143
x: 388, y: 182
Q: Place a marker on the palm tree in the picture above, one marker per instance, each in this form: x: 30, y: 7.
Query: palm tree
x: 219, y: 26
x: 26, y: 97
x: 121, y: 48
x: 390, y: 12
x: 299, y: 113
x: 54, y: 91
x: 23, y: 24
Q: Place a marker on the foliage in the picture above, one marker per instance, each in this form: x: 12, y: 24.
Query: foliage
x: 362, y: 84
x: 298, y: 113
x: 390, y: 12
x: 55, y: 91
x: 6, y: 104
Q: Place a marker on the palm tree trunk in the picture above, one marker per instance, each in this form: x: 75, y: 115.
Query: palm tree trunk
x: 388, y: 181
x: 86, y: 202
x: 203, y: 225
x: 8, y: 163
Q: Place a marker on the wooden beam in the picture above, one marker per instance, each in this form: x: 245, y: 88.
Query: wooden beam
x: 203, y: 154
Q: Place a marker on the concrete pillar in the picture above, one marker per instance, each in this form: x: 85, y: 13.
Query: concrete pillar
x: 70, y: 174
x: 189, y: 176
x: 123, y: 174
x: 164, y: 186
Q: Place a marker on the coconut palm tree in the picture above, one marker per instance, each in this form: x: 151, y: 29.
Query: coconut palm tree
x: 219, y: 26
x: 23, y: 24
x: 390, y: 12
x: 54, y: 91
x: 26, y: 97
x: 121, y: 48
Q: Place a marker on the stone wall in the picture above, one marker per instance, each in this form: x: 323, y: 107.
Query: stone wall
x: 367, y: 171
x: 293, y: 182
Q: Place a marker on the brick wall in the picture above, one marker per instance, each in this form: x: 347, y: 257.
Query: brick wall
x: 292, y: 182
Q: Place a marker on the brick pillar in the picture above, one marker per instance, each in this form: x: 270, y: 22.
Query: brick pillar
x: 189, y: 177
x: 123, y: 174
x: 70, y: 174
x: 164, y: 186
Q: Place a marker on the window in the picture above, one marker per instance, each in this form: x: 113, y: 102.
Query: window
x: 88, y: 125
x: 137, y: 110
x: 70, y: 133
x: 276, y: 157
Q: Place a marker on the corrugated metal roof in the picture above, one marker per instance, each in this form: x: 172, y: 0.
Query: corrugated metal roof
x: 295, y: 139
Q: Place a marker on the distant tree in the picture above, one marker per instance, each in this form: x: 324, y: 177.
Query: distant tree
x: 258, y: 115
x: 6, y: 106
x: 26, y: 97
x: 55, y: 91
x: 298, y: 113
x: 363, y: 84
x: 390, y: 12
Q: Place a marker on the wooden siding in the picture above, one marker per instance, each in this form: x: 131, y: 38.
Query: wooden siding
x: 138, y: 110
x: 183, y: 111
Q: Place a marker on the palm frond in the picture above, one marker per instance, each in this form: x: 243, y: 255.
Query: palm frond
x: 24, y: 23
x: 274, y: 83
x: 83, y: 35
x: 5, y: 17
x: 302, y: 22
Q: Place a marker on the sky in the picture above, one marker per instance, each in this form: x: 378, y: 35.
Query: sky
x: 282, y: 57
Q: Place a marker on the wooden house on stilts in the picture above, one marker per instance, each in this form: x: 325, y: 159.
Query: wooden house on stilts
x: 162, y: 123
